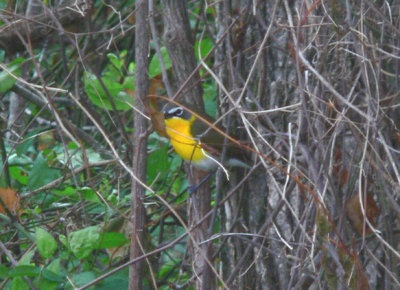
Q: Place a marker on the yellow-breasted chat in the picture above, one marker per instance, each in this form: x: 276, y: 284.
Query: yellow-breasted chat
x: 196, y: 142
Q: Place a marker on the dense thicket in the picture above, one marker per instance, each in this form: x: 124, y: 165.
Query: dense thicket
x: 309, y: 88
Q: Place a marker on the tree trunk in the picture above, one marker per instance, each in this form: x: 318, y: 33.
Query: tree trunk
x: 179, y: 43
x: 140, y: 142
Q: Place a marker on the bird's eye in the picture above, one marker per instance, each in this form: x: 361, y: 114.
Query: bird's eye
x: 178, y: 111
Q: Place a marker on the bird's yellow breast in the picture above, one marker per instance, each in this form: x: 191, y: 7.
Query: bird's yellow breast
x: 179, y: 130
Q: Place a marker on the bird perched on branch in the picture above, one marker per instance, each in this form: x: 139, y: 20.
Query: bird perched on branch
x: 198, y: 143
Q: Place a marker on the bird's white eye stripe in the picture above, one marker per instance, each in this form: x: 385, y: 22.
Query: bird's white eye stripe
x: 177, y: 111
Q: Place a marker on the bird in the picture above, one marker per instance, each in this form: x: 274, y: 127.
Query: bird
x: 197, y: 143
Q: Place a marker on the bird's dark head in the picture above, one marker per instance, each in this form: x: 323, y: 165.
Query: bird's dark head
x: 177, y: 112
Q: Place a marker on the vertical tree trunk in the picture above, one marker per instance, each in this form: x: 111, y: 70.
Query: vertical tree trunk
x: 179, y: 43
x: 140, y: 141
x: 15, y: 121
x: 199, y: 204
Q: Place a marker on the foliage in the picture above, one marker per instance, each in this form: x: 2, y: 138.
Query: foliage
x: 309, y: 89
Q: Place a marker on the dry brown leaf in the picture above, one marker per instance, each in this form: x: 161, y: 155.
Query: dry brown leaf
x: 46, y: 140
x: 354, y: 212
x: 339, y: 172
x: 157, y: 119
x: 156, y: 86
x: 11, y: 200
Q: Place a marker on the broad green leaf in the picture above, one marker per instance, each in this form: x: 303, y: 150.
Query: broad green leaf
x: 63, y: 240
x: 93, y: 156
x: 166, y: 268
x: 82, y: 279
x: 176, y: 163
x: 129, y: 83
x: 89, y: 194
x: 26, y: 259
x: 48, y: 278
x: 18, y: 174
x: 157, y: 162
x: 19, y: 159
x: 119, y: 280
x: 7, y: 81
x: 45, y: 242
x: 27, y: 144
x: 24, y: 270
x: 72, y: 145
x: 45, y: 284
x: 113, y: 74
x: 51, y: 276
x: 98, y: 96
x: 3, y: 271
x: 210, y: 99
x: 19, y: 283
x: 155, y: 67
x: 54, y: 266
x: 37, y: 210
x: 68, y: 191
x: 41, y: 174
x: 112, y: 240
x: 114, y: 59
x: 84, y: 241
x: 129, y: 80
x: 206, y: 45
x: 2, y: 51
x: 75, y: 157
x: 131, y: 68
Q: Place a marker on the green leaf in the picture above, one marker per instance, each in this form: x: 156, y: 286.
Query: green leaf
x: 51, y: 276
x: 68, y: 191
x: 129, y: 83
x: 18, y: 174
x: 114, y: 59
x: 19, y: 283
x: 3, y: 271
x: 24, y: 270
x: 155, y: 67
x: 7, y: 81
x: 74, y: 156
x: 131, y: 68
x: 45, y: 242
x: 84, y: 278
x: 27, y: 144
x: 210, y: 99
x: 19, y: 159
x: 112, y: 240
x: 98, y: 96
x: 89, y: 194
x: 166, y: 268
x: 93, y: 156
x: 26, y: 259
x: 157, y: 162
x: 63, y: 240
x: 118, y: 280
x: 84, y: 241
x: 45, y: 284
x: 41, y: 174
x: 37, y: 210
x: 206, y: 45
x: 54, y: 266
x: 2, y: 51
